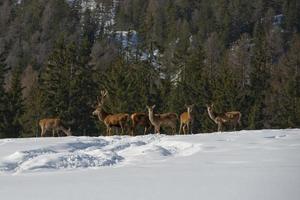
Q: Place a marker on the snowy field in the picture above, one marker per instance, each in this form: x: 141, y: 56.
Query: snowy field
x: 254, y: 165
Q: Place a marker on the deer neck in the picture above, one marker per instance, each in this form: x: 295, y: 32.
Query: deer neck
x: 212, y: 115
x: 189, y: 114
x: 64, y: 130
x: 151, y: 117
x: 102, y: 115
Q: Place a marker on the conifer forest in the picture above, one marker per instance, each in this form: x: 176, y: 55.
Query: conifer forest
x: 57, y: 57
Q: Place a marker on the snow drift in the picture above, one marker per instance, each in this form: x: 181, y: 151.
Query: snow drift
x: 85, y: 152
x: 247, y: 165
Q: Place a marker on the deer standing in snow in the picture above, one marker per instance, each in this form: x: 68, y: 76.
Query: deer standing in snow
x: 110, y: 120
x: 54, y: 124
x: 140, y: 119
x: 232, y: 118
x: 186, y: 120
x: 158, y: 120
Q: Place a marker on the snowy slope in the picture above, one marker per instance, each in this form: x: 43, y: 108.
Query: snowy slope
x: 244, y: 165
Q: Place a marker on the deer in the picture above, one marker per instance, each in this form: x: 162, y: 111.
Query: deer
x: 140, y: 119
x: 186, y: 120
x: 158, y: 120
x: 232, y: 117
x: 110, y: 120
x: 54, y: 124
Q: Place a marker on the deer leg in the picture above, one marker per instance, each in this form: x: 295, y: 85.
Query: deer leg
x: 188, y: 128
x: 111, y: 131
x: 157, y: 130
x: 127, y: 128
x: 122, y: 128
x: 145, y: 130
x: 219, y: 127
x: 191, y: 127
x: 107, y: 130
x: 42, y: 133
x: 180, y: 128
x: 133, y: 128
x: 174, y: 130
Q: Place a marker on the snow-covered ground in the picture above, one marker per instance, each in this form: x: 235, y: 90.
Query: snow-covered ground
x: 242, y: 165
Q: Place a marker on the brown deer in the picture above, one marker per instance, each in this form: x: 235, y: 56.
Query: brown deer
x: 158, y: 120
x: 54, y: 124
x: 140, y: 119
x: 232, y: 118
x: 186, y: 120
x: 119, y: 120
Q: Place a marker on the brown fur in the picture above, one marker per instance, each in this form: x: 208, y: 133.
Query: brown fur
x: 110, y: 120
x: 166, y: 120
x: 140, y: 119
x: 186, y: 120
x: 119, y: 120
x: 232, y: 118
x: 54, y: 124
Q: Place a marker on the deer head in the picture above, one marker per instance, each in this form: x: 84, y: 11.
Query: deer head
x: 68, y: 132
x: 100, y: 102
x: 210, y: 107
x: 150, y: 108
x: 189, y: 108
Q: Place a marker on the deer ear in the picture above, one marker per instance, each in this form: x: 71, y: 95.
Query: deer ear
x: 106, y: 92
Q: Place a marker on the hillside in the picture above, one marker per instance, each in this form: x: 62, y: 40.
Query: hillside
x: 261, y: 165
x: 56, y: 56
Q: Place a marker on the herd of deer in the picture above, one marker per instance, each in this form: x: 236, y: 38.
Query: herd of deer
x: 122, y: 120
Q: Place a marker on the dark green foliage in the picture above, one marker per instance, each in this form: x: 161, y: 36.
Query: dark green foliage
x: 67, y: 88
x: 14, y: 111
x: 260, y: 79
x: 240, y: 55
x: 3, y: 98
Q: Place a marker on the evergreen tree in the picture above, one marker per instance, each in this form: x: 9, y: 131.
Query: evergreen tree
x: 3, y: 97
x: 55, y: 81
x: 292, y: 82
x: 13, y: 126
x: 192, y: 86
x: 259, y: 78
x: 82, y: 92
x: 67, y: 87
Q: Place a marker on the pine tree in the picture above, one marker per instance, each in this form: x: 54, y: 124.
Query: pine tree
x: 15, y: 109
x: 33, y: 107
x: 67, y: 87
x: 260, y: 79
x: 192, y: 86
x: 292, y: 82
x: 3, y: 97
x: 82, y: 92
x: 55, y: 82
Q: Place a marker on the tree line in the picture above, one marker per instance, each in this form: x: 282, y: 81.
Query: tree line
x: 240, y: 55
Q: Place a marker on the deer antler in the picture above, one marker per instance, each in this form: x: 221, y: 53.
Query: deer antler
x: 98, y: 100
x: 103, y: 95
